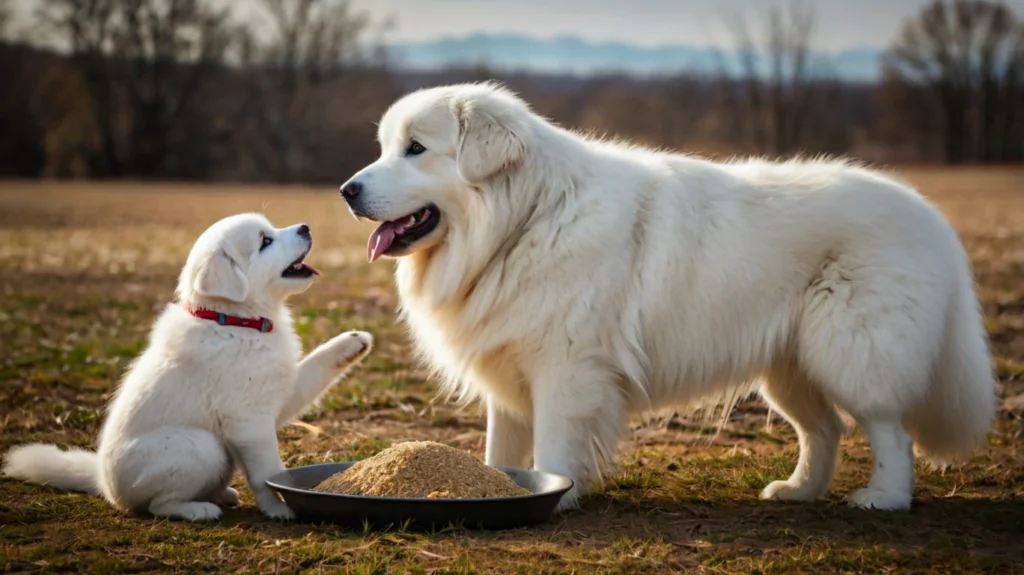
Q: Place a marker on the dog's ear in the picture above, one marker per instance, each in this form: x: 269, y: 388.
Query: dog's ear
x: 492, y: 137
x: 220, y: 276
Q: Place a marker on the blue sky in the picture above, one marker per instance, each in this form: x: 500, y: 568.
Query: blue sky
x: 842, y: 24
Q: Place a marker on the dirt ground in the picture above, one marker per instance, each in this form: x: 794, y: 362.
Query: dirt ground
x: 84, y: 269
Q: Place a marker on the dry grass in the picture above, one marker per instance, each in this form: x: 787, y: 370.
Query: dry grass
x: 86, y: 267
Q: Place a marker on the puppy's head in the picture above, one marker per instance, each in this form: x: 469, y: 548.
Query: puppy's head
x: 243, y: 259
x: 439, y: 149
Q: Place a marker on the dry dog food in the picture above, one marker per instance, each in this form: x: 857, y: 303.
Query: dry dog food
x: 422, y: 469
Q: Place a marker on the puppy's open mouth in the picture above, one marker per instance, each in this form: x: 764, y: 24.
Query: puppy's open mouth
x: 395, y: 236
x: 300, y: 269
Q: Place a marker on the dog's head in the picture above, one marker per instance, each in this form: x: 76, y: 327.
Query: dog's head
x: 439, y: 149
x: 243, y: 259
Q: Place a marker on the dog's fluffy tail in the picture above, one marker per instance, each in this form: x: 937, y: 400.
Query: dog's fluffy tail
x: 961, y: 408
x: 71, y: 470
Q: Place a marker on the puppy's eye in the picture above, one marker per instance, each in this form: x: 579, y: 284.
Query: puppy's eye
x: 415, y: 149
x: 265, y: 242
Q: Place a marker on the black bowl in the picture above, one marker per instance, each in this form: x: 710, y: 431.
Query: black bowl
x: 296, y: 487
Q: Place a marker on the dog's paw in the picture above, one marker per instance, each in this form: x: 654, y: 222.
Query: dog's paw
x: 786, y: 491
x: 188, y: 510
x: 880, y: 499
x: 350, y: 347
x: 569, y: 502
x: 277, y: 510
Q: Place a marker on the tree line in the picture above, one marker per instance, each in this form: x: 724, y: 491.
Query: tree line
x: 187, y: 89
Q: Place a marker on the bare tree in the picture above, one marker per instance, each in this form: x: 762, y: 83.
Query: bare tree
x: 5, y: 17
x: 957, y: 71
x: 313, y: 45
x: 782, y: 90
x: 143, y: 62
x: 314, y: 39
x: 22, y: 142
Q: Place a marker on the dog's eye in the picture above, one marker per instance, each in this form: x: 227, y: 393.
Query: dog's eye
x: 415, y: 149
x: 266, y: 242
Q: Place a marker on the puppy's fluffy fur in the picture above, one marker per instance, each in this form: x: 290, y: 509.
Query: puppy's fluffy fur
x: 205, y: 399
x: 571, y: 281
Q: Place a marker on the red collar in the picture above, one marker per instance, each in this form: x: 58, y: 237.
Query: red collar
x: 261, y: 324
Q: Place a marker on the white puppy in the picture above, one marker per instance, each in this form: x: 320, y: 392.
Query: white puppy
x: 221, y: 374
x: 570, y: 282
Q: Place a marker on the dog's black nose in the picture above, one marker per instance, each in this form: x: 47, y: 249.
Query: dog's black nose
x: 351, y: 190
x: 304, y: 231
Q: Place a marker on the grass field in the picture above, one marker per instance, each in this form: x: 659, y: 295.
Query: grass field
x: 84, y: 269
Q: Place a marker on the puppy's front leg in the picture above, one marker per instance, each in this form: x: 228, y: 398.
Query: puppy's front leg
x: 318, y: 370
x: 254, y: 445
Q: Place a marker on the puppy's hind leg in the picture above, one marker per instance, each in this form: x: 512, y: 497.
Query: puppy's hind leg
x: 322, y: 367
x: 168, y: 471
x: 223, y: 496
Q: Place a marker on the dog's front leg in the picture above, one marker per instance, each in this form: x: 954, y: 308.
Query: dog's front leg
x: 509, y: 436
x: 322, y: 367
x: 578, y: 418
x: 253, y: 444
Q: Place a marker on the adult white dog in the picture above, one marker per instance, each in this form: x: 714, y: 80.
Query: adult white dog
x: 571, y: 281
x: 221, y: 374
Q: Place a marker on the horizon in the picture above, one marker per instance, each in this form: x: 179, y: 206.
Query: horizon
x: 840, y: 25
x: 573, y: 55
x: 607, y: 42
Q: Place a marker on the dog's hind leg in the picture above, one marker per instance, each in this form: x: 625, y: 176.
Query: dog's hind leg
x: 169, y: 471
x: 818, y: 428
x: 870, y: 341
x: 892, y: 483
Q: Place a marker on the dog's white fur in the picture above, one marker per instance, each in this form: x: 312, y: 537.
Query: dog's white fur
x: 204, y: 399
x: 574, y: 281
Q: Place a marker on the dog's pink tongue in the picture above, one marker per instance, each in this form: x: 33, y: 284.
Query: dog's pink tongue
x: 380, y: 240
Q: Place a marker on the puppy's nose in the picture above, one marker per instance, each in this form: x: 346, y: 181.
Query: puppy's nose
x: 351, y: 190
x: 303, y: 231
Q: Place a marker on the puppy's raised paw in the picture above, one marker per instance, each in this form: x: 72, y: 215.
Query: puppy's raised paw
x: 350, y: 348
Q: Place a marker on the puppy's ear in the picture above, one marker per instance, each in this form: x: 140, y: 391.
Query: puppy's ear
x: 220, y: 276
x: 492, y: 137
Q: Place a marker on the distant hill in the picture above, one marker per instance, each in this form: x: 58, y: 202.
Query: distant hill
x: 569, y: 54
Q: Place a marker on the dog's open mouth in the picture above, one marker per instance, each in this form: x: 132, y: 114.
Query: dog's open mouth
x: 300, y: 269
x: 396, y: 235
